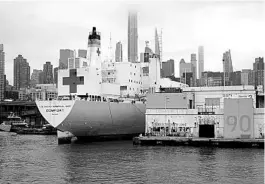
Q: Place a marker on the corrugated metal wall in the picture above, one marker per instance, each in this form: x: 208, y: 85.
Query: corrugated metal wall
x: 167, y: 100
x: 238, y: 115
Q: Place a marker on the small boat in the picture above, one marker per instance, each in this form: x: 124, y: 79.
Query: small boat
x: 2, y: 133
x: 13, y: 123
x: 45, y: 130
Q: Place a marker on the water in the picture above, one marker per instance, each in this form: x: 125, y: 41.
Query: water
x: 39, y: 159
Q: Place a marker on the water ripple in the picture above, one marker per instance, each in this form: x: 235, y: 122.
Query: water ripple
x: 38, y: 159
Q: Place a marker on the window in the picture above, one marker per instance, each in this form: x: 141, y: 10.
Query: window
x: 123, y: 88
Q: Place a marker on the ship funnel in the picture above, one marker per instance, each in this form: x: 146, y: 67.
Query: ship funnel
x: 94, y: 36
x: 94, y: 48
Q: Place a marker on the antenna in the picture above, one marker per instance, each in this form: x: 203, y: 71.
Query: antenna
x: 160, y: 44
x: 74, y: 59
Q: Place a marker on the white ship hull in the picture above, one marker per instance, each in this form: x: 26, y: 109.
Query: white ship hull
x: 94, y: 119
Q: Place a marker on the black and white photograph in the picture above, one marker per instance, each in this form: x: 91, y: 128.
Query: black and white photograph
x: 132, y: 91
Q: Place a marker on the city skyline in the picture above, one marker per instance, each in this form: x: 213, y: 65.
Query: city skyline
x: 218, y: 26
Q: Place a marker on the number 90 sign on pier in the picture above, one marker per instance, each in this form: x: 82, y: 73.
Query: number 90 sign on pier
x: 238, y: 122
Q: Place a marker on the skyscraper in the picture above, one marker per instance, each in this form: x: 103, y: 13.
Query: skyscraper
x: 227, y: 66
x: 187, y: 78
x: 21, y: 73
x: 2, y: 72
x: 65, y: 54
x: 168, y: 68
x: 132, y: 37
x: 55, y: 75
x: 41, y: 77
x: 235, y: 78
x: 193, y: 61
x: 201, y: 60
x: 48, y: 73
x: 35, y: 77
x: 212, y: 79
x: 157, y: 45
x: 118, y: 52
x: 245, y: 75
x: 258, y: 68
x: 184, y: 68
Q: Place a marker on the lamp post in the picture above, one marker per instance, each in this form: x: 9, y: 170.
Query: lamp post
x: 166, y: 98
x: 224, y: 79
x: 185, y: 76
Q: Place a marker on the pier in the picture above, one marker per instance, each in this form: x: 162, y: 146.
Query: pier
x: 209, y: 116
x: 205, y: 142
x: 25, y: 109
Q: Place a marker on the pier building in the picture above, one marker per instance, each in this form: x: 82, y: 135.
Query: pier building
x: 210, y: 112
x: 23, y: 109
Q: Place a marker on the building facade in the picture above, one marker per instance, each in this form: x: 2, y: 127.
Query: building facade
x: 251, y: 78
x: 202, y: 112
x: 35, y: 77
x: 21, y: 73
x: 212, y: 79
x: 258, y: 68
x: 71, y: 63
x: 184, y: 67
x: 48, y: 73
x: 227, y: 66
x: 157, y: 45
x: 11, y: 94
x: 82, y: 53
x: 41, y: 78
x: 43, y: 92
x: 245, y: 74
x: 65, y: 54
x: 235, y: 78
x: 200, y: 60
x: 132, y: 37
x: 118, y: 52
x: 187, y: 78
x: 55, y: 75
x: 168, y: 68
x: 2, y: 72
x: 193, y: 61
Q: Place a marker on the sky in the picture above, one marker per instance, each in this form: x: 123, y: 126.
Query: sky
x: 38, y: 30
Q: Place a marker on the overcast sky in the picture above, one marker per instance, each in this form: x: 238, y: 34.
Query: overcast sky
x: 38, y: 30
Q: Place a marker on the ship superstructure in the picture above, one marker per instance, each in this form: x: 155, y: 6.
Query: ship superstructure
x: 98, y: 98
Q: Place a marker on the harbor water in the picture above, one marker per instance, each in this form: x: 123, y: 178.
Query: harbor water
x: 39, y: 159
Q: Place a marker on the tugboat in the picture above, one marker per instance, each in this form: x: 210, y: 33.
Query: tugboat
x: 13, y: 123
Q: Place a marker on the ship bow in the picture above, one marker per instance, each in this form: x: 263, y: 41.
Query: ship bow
x: 55, y: 111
